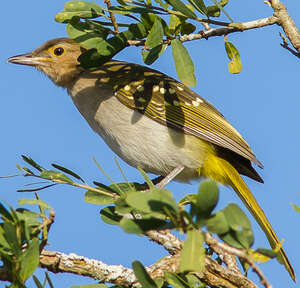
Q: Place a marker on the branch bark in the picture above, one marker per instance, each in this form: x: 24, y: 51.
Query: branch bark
x: 215, y: 275
x: 286, y: 22
x: 231, y: 28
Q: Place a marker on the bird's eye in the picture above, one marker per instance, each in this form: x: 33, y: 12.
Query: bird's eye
x: 58, y: 51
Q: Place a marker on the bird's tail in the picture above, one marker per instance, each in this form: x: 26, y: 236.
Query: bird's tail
x: 231, y: 177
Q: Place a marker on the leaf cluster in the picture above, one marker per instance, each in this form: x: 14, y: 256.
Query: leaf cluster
x: 23, y: 234
x: 140, y: 208
x: 154, y: 26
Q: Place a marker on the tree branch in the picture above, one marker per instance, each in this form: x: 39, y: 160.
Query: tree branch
x: 215, y: 275
x: 286, y: 22
x: 165, y: 238
x: 112, y: 16
x: 233, y: 27
x: 226, y: 249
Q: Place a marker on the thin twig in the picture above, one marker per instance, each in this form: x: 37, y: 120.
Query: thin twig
x: 168, y: 11
x: 87, y: 187
x: 294, y: 52
x: 212, y: 242
x: 112, y: 16
x: 205, y: 34
x: 165, y: 238
x: 286, y: 22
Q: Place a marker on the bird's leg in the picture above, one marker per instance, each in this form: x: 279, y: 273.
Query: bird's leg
x: 169, y: 177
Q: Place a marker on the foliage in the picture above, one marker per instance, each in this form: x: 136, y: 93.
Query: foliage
x: 156, y: 26
x: 23, y: 234
x: 136, y: 208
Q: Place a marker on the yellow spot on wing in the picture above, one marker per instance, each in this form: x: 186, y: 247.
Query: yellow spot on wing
x: 162, y: 90
x: 140, y: 88
x: 155, y: 88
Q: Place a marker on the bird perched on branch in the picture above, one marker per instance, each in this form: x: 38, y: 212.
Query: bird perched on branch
x: 152, y: 121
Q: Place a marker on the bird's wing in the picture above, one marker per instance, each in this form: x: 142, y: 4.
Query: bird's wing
x: 171, y: 103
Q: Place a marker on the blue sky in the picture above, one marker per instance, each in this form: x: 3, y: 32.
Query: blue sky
x: 39, y: 120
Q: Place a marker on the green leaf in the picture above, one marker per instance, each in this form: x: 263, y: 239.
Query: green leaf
x: 175, y: 281
x: 188, y: 199
x: 140, y: 226
x: 194, y: 281
x: 193, y: 253
x: 86, y: 35
x: 109, y: 216
x: 235, y: 64
x: 150, y: 56
x: 11, y: 236
x: 32, y: 163
x: 138, y: 30
x: 90, y: 286
x: 162, y: 3
x: 217, y: 223
x: 148, y: 20
x: 30, y: 217
x: 80, y: 9
x: 241, y: 232
x: 220, y: 5
x: 230, y: 238
x: 159, y: 282
x: 98, y: 198
x: 3, y: 242
x: 153, y: 201
x: 236, y: 218
x: 122, y: 208
x: 174, y: 24
x: 126, y: 187
x: 106, y: 50
x: 30, y: 259
x: 105, y: 188
x: 199, y: 5
x: 155, y: 36
x: 41, y: 203
x: 56, y: 176
x: 68, y: 171
x: 183, y: 63
x: 129, y: 9
x: 207, y: 198
x: 187, y: 28
x: 181, y: 7
x: 142, y: 275
x: 267, y: 252
x: 296, y: 207
x: 5, y: 213
x: 245, y: 237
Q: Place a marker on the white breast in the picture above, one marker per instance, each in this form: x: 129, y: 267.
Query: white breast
x: 137, y: 139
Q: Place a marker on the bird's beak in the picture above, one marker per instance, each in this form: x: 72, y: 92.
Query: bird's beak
x: 27, y: 59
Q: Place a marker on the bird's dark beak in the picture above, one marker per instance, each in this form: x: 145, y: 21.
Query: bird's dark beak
x: 27, y: 59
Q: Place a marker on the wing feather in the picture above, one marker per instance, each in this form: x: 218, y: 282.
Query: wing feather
x: 170, y: 103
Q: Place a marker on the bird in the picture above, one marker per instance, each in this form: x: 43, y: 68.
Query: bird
x: 154, y: 122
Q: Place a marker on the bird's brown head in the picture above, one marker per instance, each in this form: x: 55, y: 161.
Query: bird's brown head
x: 57, y: 58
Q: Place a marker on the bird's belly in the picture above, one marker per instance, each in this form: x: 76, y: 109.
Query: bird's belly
x: 143, y: 142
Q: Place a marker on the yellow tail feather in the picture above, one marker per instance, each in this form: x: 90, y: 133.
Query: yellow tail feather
x: 223, y: 172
